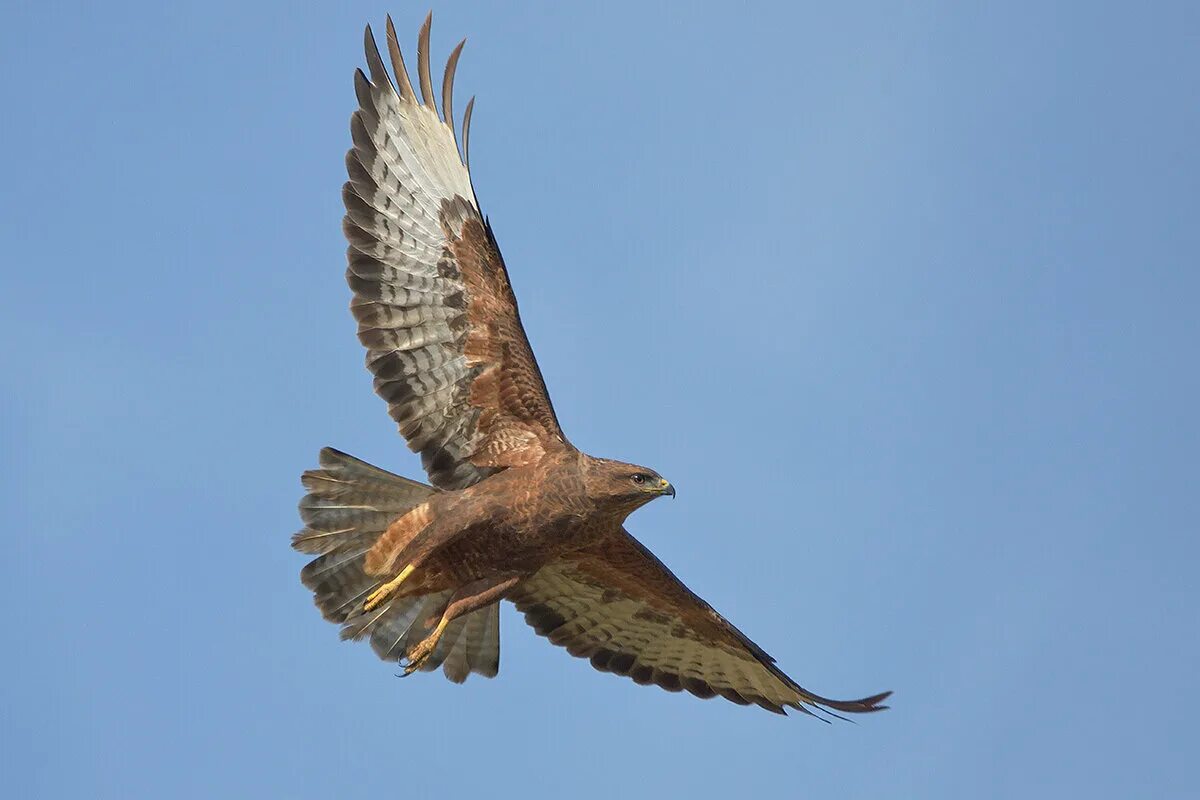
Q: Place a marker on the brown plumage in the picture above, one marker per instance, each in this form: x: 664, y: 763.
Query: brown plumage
x: 515, y: 511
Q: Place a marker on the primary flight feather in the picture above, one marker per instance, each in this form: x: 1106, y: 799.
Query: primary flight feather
x: 515, y: 511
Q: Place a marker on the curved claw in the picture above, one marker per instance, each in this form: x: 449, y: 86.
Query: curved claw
x: 409, y: 665
x: 414, y: 658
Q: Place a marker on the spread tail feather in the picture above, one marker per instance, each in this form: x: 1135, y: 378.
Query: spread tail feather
x: 348, y: 507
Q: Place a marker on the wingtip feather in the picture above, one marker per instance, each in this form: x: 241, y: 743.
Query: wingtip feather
x: 423, y: 63
x: 379, y: 74
x: 467, y: 132
x: 865, y: 705
x: 448, y: 86
x: 403, y: 84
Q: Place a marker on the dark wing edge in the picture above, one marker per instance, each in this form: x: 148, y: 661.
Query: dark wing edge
x: 620, y: 607
x: 432, y: 298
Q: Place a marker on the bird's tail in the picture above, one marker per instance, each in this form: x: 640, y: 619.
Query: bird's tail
x: 348, y: 507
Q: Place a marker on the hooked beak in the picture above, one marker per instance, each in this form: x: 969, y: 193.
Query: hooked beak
x: 665, y: 488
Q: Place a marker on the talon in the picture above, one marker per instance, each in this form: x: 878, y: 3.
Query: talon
x: 418, y: 655
x: 386, y: 591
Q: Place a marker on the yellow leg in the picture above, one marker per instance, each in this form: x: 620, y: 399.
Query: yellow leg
x: 416, y: 657
x: 386, y: 591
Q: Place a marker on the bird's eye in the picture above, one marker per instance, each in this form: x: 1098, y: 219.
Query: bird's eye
x: 639, y: 479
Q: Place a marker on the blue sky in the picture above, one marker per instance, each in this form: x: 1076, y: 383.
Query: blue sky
x: 903, y: 300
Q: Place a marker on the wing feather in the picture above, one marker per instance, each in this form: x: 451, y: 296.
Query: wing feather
x: 423, y: 63
x: 448, y: 87
x: 432, y: 298
x: 403, y: 84
x: 467, y: 132
x: 620, y: 607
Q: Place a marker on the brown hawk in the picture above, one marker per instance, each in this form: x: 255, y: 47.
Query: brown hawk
x: 515, y: 511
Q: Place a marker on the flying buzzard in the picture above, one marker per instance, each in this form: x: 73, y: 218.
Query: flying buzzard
x: 515, y: 511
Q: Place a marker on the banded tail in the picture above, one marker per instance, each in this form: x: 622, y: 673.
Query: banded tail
x: 348, y: 507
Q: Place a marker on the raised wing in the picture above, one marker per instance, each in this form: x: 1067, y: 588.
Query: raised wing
x: 619, y: 606
x: 431, y: 293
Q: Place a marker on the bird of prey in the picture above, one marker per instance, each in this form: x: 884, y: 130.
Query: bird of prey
x: 514, y: 511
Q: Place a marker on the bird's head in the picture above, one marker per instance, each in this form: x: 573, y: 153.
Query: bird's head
x: 621, y: 487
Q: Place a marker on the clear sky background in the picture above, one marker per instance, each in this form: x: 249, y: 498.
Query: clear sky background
x: 903, y: 300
